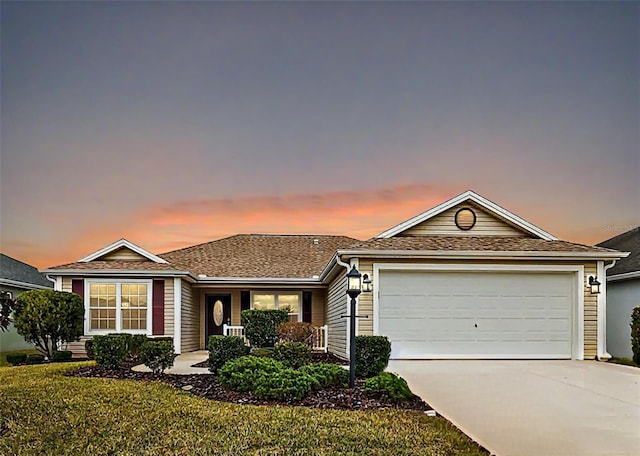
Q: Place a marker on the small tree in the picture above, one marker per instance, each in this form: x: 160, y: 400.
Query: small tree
x: 49, y: 318
x: 6, y: 308
x: 635, y: 334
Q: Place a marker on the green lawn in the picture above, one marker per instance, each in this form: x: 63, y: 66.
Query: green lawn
x: 43, y: 412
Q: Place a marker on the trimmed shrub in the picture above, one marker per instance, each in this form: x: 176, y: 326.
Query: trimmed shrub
x: 296, y: 332
x: 261, y: 326
x: 388, y: 386
x: 157, y: 355
x: 327, y: 375
x: 372, y: 355
x: 285, y: 385
x: 110, y: 350
x: 88, y: 348
x: 292, y: 354
x: 35, y: 358
x: 635, y: 334
x: 135, y: 344
x: 223, y: 349
x: 16, y: 358
x: 262, y: 352
x: 61, y: 356
x: 242, y: 374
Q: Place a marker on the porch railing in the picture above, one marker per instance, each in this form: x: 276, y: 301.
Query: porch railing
x: 318, y: 342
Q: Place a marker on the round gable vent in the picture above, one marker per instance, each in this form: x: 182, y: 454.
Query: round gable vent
x: 465, y: 219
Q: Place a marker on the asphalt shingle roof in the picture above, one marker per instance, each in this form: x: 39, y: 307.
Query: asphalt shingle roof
x: 12, y: 269
x: 626, y: 242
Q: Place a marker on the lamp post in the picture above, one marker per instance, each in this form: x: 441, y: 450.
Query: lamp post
x: 355, y: 286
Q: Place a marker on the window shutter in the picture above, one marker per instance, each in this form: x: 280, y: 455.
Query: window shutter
x: 77, y: 287
x: 245, y: 300
x: 157, y: 310
x: 306, y: 306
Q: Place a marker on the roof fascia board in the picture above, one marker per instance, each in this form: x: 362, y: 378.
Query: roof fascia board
x: 481, y: 201
x: 625, y: 276
x: 263, y: 280
x: 120, y: 244
x: 27, y: 285
x: 119, y: 272
x: 487, y: 254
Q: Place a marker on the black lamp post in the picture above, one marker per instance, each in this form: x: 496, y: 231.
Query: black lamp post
x: 355, y: 286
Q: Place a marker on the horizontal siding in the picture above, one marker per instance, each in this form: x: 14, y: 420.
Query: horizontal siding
x: 169, y: 314
x: 335, y: 315
x: 590, y: 314
x: 124, y: 254
x: 444, y: 225
x: 365, y: 303
x: 190, y: 327
x: 318, y: 298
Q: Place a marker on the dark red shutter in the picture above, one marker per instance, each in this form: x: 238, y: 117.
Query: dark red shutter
x: 245, y: 300
x: 77, y: 287
x: 306, y: 306
x: 158, y: 307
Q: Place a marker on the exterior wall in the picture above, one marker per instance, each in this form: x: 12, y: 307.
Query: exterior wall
x: 444, y: 225
x: 318, y: 299
x: 10, y: 340
x: 124, y: 254
x: 190, y: 327
x: 169, y: 303
x: 622, y: 298
x: 365, y: 300
x: 336, y: 315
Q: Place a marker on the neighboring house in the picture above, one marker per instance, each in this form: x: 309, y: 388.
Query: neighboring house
x: 16, y: 277
x: 623, y: 292
x: 465, y: 279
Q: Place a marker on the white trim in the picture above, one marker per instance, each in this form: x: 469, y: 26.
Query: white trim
x: 625, y: 276
x: 479, y: 200
x: 485, y: 254
x: 263, y: 280
x: 275, y: 293
x: 58, y: 284
x: 118, y: 272
x: 177, y: 315
x: 577, y: 349
x: 19, y: 284
x: 118, y: 282
x: 119, y: 244
x: 602, y: 312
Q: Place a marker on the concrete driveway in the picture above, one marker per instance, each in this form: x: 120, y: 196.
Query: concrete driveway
x: 534, y: 408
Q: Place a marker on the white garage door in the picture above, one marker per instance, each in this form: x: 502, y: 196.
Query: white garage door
x: 476, y: 314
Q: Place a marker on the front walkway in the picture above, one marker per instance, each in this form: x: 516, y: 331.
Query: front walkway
x: 182, y: 364
x: 534, y: 408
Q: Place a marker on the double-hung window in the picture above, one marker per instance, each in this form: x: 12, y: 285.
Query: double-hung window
x: 118, y: 306
x: 289, y: 301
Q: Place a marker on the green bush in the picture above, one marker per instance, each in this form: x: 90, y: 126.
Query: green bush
x: 88, y: 348
x: 157, y: 354
x: 135, y: 344
x: 35, y: 358
x: 110, y: 350
x: 223, y: 349
x: 262, y: 352
x: 284, y: 385
x: 16, y: 358
x: 292, y: 354
x: 372, y: 355
x: 296, y: 332
x: 242, y: 374
x: 261, y: 326
x: 61, y: 356
x: 48, y: 318
x: 388, y: 386
x: 327, y: 375
x: 635, y: 334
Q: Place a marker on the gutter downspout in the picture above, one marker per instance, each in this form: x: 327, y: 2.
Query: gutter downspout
x: 602, y: 312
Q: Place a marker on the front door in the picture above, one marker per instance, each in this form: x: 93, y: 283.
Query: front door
x: 218, y: 314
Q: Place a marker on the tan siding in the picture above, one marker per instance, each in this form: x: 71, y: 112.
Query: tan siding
x: 336, y: 311
x: 169, y: 314
x: 66, y: 283
x: 190, y: 320
x: 318, y: 298
x: 365, y: 303
x: 123, y: 254
x: 590, y: 314
x: 444, y: 225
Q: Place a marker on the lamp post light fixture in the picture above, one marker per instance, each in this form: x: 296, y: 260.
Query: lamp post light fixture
x: 594, y: 284
x: 356, y: 284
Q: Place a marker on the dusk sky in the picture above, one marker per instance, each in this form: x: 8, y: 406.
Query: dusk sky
x: 175, y: 123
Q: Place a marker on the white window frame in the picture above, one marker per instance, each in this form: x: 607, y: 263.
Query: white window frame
x: 118, y: 283
x: 276, y: 294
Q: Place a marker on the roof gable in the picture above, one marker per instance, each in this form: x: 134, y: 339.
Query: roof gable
x: 22, y: 275
x: 626, y: 242
x: 122, y: 250
x: 491, y: 220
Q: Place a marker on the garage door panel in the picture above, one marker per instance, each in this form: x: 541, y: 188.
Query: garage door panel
x: 485, y: 314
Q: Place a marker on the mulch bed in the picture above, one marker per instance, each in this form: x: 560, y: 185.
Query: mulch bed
x: 207, y: 386
x: 329, y: 358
